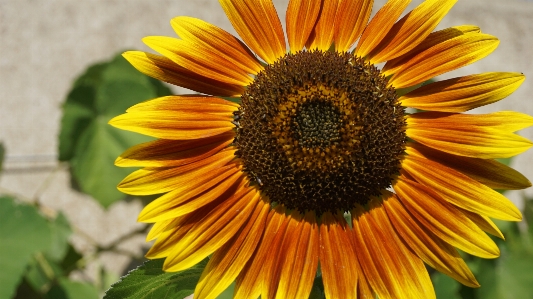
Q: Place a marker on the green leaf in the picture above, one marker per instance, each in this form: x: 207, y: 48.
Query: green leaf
x: 445, y: 286
x: 61, y: 231
x: 87, y: 141
x: 41, y: 273
x: 93, y: 164
x: 23, y: 231
x: 78, y: 110
x: 67, y: 289
x: 149, y: 281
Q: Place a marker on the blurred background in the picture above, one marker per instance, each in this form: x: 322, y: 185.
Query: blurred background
x: 56, y: 151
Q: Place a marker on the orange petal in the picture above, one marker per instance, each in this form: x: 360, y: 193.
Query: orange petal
x: 411, y: 30
x: 300, y: 20
x: 364, y: 291
x: 190, y: 103
x: 444, y: 220
x: 228, y: 261
x: 488, y: 172
x: 444, y: 57
x: 484, y: 223
x: 164, y: 245
x: 460, y: 190
x: 164, y: 69
x: 463, y: 93
x: 198, y: 59
x: 250, y: 280
x: 165, y: 153
x: 257, y: 23
x: 160, y: 180
x: 337, y: 258
x: 324, y: 30
x: 433, y: 39
x: 467, y: 140
x: 432, y: 250
x: 350, y: 21
x: 217, y: 42
x: 213, y: 231
x: 297, y: 261
x: 180, y: 202
x: 392, y: 270
x: 379, y: 26
x: 508, y: 121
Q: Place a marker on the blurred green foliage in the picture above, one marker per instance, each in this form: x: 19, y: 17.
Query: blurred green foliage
x: 86, y: 141
x: 36, y: 256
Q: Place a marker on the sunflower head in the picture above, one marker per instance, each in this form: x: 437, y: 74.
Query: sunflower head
x: 320, y: 133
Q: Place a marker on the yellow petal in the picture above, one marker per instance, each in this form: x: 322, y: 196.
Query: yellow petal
x: 160, y: 180
x: 324, y: 29
x: 488, y: 172
x: 176, y: 125
x: 444, y: 57
x: 484, y: 223
x: 300, y: 20
x: 431, y: 249
x: 466, y: 140
x: 228, y: 261
x: 166, y: 153
x: 213, y: 231
x: 508, y: 121
x: 411, y: 30
x: 433, y: 39
x: 257, y: 23
x: 444, y: 220
x: 463, y: 93
x: 350, y: 21
x: 460, y: 190
x: 336, y: 253
x: 379, y: 26
x: 218, y: 42
x: 392, y: 270
x: 159, y: 227
x: 164, y: 69
x: 198, y: 59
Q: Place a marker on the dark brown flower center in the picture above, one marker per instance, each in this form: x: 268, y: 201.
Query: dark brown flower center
x: 320, y: 131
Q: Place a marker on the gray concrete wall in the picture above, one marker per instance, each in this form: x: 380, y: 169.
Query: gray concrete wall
x: 45, y: 44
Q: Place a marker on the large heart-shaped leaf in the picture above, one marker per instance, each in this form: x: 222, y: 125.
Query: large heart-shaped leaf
x: 87, y: 141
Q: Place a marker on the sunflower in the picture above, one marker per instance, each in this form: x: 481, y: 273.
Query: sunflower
x: 291, y: 159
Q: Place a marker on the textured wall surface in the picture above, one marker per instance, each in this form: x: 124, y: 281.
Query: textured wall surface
x: 46, y: 44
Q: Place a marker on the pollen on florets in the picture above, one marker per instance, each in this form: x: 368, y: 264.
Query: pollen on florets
x: 320, y: 131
